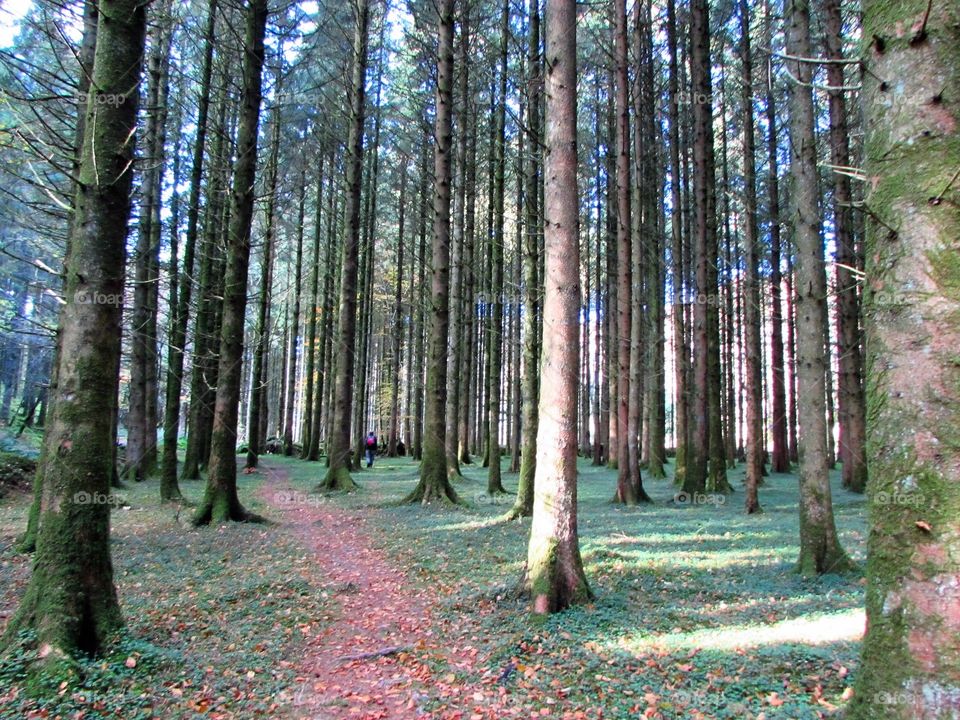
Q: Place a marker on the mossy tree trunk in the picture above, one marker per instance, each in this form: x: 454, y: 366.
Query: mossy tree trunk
x: 220, y: 502
x: 554, y: 574
x: 820, y: 550
x: 911, y: 653
x: 27, y: 542
x: 71, y: 600
x: 434, y: 482
x: 339, y: 455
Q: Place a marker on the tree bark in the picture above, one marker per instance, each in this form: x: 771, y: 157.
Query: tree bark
x: 628, y: 472
x: 220, y: 502
x: 434, y: 483
x: 71, y: 600
x: 820, y: 550
x: 850, y: 396
x: 753, y: 381
x: 780, y: 461
x: 339, y: 455
x: 554, y: 573
x: 911, y: 653
x: 530, y: 382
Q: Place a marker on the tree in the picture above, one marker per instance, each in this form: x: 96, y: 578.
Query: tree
x: 220, y: 502
x: 912, y: 645
x: 495, y: 301
x: 820, y: 550
x: 523, y: 506
x: 780, y: 458
x: 338, y: 473
x: 554, y: 573
x: 142, y: 418
x: 628, y: 473
x: 169, y: 488
x: 751, y: 301
x: 850, y: 398
x: 434, y: 483
x: 71, y: 600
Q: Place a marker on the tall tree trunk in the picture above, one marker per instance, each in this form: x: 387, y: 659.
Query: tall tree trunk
x: 468, y: 279
x: 394, y: 433
x: 751, y: 304
x: 495, y: 322
x: 554, y: 573
x: 71, y: 600
x: 780, y: 461
x: 291, y: 394
x: 28, y: 541
x: 434, y: 483
x: 628, y: 473
x: 820, y: 550
x: 324, y: 386
x: 339, y: 455
x: 523, y: 505
x: 706, y: 395
x: 850, y: 396
x: 681, y: 371
x: 259, y: 404
x: 909, y: 667
x: 141, y: 418
x: 220, y: 501
x: 311, y: 350
x: 457, y: 269
x: 169, y: 489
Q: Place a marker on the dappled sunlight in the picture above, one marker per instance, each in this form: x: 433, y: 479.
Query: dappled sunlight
x: 804, y: 630
x: 690, y: 560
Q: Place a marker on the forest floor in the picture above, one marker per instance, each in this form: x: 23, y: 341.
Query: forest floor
x: 351, y: 606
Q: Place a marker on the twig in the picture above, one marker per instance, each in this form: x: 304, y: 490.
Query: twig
x: 393, y: 650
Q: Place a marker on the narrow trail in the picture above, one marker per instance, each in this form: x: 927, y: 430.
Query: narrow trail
x: 375, y: 610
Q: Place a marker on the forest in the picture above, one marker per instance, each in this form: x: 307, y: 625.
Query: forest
x: 480, y: 359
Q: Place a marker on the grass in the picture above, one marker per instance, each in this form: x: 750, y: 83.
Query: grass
x: 215, y: 618
x: 698, y: 613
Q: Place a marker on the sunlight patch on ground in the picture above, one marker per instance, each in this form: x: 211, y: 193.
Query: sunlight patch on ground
x: 806, y: 630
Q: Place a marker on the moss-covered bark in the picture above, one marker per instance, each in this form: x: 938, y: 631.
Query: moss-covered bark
x: 554, y: 573
x: 71, y: 601
x: 911, y: 652
x: 220, y: 502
